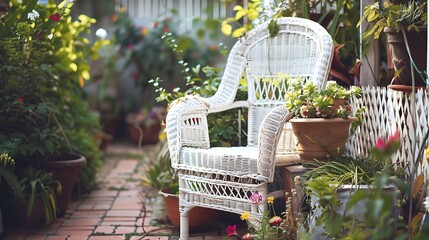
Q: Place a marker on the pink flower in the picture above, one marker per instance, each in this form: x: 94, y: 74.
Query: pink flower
x: 247, y: 236
x: 386, y: 145
x: 275, y: 221
x: 381, y: 144
x: 155, y: 24
x: 55, y: 17
x: 256, y: 198
x: 231, y: 230
x: 130, y: 46
x: 20, y: 99
x: 394, y: 137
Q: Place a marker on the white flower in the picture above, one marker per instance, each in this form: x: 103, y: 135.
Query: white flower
x: 33, y: 15
x: 426, y: 203
x: 50, y: 36
x: 101, y: 33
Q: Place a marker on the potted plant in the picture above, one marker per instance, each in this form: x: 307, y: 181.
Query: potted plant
x: 342, y: 188
x: 405, y: 25
x: 45, y: 63
x: 39, y: 205
x: 144, y: 127
x: 161, y: 176
x: 321, y: 123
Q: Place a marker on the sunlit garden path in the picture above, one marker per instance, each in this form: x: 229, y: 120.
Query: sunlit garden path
x: 120, y: 209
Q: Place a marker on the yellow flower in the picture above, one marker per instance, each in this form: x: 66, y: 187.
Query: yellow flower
x: 270, y: 200
x: 245, y: 216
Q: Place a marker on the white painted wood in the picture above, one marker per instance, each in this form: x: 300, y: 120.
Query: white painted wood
x: 144, y: 11
x: 386, y: 112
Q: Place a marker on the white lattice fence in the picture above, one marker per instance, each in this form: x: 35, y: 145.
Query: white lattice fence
x: 143, y: 11
x: 386, y: 112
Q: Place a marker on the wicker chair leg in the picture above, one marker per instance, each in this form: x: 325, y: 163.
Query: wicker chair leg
x: 184, y: 223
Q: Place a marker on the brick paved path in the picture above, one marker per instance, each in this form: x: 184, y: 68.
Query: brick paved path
x: 116, y: 210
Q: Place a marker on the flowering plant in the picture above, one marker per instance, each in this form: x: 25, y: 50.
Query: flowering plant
x: 269, y: 227
x: 376, y: 182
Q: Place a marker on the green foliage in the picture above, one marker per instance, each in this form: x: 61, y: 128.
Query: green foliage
x: 204, y: 82
x: 137, y: 44
x: 410, y: 15
x: 159, y: 174
x: 380, y: 219
x: 348, y: 170
x: 39, y: 183
x: 45, y: 60
x: 305, y: 100
x: 339, y: 17
x: 376, y: 183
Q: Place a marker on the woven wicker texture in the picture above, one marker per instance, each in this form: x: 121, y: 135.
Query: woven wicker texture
x: 224, y: 178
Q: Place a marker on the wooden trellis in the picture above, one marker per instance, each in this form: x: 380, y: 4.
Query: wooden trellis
x: 386, y: 112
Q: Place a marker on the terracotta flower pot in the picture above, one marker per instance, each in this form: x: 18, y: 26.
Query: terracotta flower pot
x: 18, y: 213
x: 316, y: 138
x: 398, y: 58
x: 198, y: 217
x: 66, y: 169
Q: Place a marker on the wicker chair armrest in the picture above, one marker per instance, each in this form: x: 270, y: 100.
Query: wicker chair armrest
x: 269, y: 135
x: 186, y: 126
x: 236, y: 104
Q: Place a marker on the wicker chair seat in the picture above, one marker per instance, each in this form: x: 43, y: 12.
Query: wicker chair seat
x: 233, y: 161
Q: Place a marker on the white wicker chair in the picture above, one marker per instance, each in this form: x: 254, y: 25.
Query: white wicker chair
x: 224, y: 178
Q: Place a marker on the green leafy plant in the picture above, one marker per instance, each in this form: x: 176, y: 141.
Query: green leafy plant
x: 137, y: 44
x: 305, y: 100
x: 387, y: 196
x: 204, y: 82
x: 39, y: 183
x: 160, y: 174
x: 410, y: 16
x: 44, y: 65
x: 347, y: 170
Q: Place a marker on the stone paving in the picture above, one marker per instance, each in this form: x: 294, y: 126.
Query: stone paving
x: 120, y: 209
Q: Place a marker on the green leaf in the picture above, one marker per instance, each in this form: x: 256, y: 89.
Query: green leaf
x: 273, y: 28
